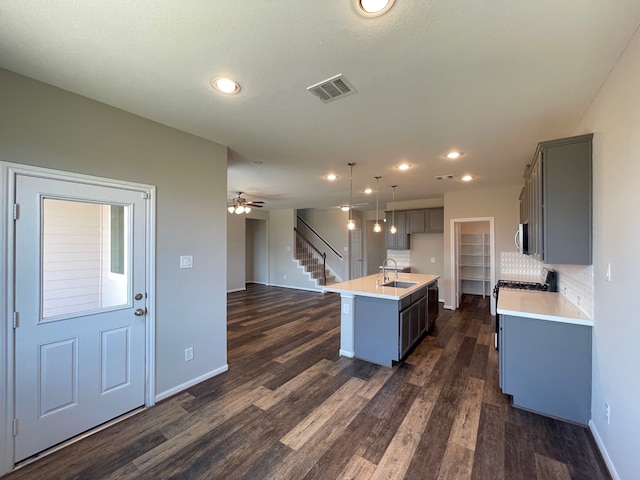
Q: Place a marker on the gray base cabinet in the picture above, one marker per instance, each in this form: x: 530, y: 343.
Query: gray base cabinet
x: 385, y: 330
x: 546, y: 366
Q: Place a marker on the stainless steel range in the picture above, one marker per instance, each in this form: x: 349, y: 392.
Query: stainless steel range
x: 550, y: 285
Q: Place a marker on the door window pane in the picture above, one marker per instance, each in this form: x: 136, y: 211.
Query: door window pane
x: 85, y: 257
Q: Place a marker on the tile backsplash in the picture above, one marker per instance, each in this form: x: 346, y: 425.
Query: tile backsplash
x: 574, y: 281
x: 403, y: 257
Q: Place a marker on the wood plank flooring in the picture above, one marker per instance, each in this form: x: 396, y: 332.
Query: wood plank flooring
x: 290, y: 408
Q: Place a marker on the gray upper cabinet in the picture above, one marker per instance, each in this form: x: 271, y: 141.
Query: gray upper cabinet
x: 416, y: 221
x: 435, y: 220
x: 556, y: 202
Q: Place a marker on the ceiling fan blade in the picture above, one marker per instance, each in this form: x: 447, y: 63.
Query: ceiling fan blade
x: 253, y: 205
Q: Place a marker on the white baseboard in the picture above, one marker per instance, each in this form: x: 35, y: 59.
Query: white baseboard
x: 237, y: 290
x: 298, y: 288
x: 603, y: 451
x: 447, y: 307
x: 346, y: 353
x: 191, y: 383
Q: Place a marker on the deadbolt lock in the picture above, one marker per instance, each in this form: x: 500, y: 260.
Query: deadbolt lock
x: 138, y: 296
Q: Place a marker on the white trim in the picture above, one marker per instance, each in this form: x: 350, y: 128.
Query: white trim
x: 191, y: 383
x: 8, y: 172
x: 454, y: 259
x: 603, y: 451
x: 236, y: 290
x: 319, y: 290
x: 346, y: 353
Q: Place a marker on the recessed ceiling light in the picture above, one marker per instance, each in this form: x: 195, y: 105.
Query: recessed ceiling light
x: 403, y: 166
x: 332, y: 177
x: 373, y: 8
x: 466, y: 178
x: 225, y: 85
x: 453, y: 155
x: 368, y: 191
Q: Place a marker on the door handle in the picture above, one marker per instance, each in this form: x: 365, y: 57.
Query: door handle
x: 140, y: 312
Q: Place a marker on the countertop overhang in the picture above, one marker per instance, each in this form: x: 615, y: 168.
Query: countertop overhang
x: 366, y: 286
x: 540, y: 305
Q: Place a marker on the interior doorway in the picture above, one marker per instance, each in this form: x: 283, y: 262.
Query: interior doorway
x: 376, y: 247
x: 473, y: 258
x: 256, y: 252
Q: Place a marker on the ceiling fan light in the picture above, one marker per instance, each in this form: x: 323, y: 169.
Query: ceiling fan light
x: 345, y: 208
x: 247, y: 209
x: 231, y: 208
x: 239, y: 209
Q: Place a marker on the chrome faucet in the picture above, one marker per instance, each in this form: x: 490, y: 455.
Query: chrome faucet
x: 384, y: 264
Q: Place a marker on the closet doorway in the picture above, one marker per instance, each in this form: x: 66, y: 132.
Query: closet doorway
x: 473, y: 262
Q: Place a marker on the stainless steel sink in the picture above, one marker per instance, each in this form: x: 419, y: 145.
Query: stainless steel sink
x: 399, y: 284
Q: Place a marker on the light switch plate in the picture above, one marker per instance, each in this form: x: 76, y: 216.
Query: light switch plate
x: 186, y: 261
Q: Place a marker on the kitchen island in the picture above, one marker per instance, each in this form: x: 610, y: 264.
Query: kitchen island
x: 545, y: 354
x: 381, y: 320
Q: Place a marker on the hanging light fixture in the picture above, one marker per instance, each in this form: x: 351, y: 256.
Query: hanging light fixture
x: 376, y: 227
x: 393, y: 228
x: 351, y: 224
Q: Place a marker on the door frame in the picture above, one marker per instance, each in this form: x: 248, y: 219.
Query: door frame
x: 8, y: 172
x: 454, y: 257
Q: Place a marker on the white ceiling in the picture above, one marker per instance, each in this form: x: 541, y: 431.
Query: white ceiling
x: 488, y: 78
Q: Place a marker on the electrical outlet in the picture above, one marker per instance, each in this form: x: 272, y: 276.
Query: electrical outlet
x: 188, y: 354
x: 345, y: 308
x: 564, y: 291
x: 579, y: 301
x: 608, y: 277
x: 607, y: 412
x: 433, y: 259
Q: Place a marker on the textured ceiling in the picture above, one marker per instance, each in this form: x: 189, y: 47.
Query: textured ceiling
x: 488, y: 78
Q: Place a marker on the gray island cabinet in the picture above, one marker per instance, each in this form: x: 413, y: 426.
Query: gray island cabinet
x: 545, y: 354
x: 381, y: 323
x: 385, y: 330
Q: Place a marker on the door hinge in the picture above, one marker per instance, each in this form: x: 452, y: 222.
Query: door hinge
x: 15, y: 211
x: 15, y: 427
x: 16, y: 322
x: 146, y: 195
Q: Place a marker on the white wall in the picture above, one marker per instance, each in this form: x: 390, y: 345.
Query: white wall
x: 498, y: 202
x: 45, y: 126
x: 614, y: 118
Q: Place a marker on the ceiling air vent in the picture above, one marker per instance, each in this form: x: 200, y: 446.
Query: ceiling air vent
x: 444, y: 177
x: 332, y: 89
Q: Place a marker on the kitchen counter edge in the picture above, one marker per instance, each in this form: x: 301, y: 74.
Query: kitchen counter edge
x: 366, y: 286
x: 550, y: 306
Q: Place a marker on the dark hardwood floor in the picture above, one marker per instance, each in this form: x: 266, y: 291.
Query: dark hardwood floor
x: 291, y: 408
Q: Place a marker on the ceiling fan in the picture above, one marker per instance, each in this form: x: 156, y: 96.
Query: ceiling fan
x: 240, y: 205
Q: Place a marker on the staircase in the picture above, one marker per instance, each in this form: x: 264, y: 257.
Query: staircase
x: 313, y: 261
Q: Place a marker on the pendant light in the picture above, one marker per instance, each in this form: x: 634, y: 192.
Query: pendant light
x: 377, y: 228
x: 393, y: 228
x: 351, y: 224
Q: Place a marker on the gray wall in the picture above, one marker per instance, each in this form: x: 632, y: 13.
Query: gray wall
x: 498, y: 202
x: 614, y: 118
x: 236, y: 252
x: 45, y: 126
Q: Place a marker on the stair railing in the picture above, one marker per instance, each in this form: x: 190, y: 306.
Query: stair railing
x: 308, y: 253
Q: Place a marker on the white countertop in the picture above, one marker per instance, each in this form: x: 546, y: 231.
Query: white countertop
x: 541, y: 305
x: 366, y: 286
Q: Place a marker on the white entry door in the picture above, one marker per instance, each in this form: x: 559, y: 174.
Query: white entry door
x: 80, y: 298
